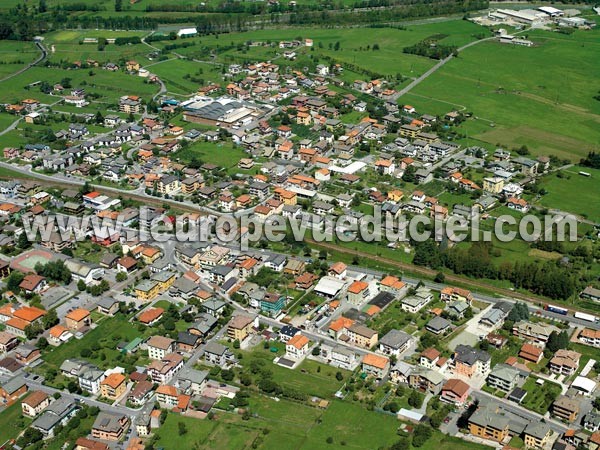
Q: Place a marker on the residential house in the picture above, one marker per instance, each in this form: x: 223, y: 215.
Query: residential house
x: 163, y: 370
x: 426, y: 380
x: 565, y: 408
x: 564, y: 362
x: 537, y: 435
x: 395, y: 343
x: 455, y: 392
x: 297, y: 347
x: 503, y: 377
x: 218, y: 354
x: 113, y: 386
x: 58, y: 413
x: 468, y: 361
x: 110, y: 427
x: 377, y: 366
x: 35, y: 403
x: 487, y: 423
x: 159, y: 347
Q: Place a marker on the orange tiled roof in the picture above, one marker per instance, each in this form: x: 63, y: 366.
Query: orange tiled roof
x: 114, y: 380
x: 29, y: 313
x: 357, y: 287
x: 375, y: 361
x: 298, y: 341
x: 78, y: 314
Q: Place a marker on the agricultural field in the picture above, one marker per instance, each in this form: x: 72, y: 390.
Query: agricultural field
x: 15, y: 55
x: 353, y: 49
x: 68, y: 46
x: 184, y: 77
x: 224, y: 155
x: 518, y: 95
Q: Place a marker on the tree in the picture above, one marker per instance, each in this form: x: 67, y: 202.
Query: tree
x: 519, y: 312
x: 121, y: 276
x: 181, y: 428
x: 14, y: 280
x: 42, y: 343
x: 227, y: 375
x: 23, y: 241
x: 402, y: 444
x: 421, y: 434
x: 42, y: 8
x: 118, y: 5
x: 99, y: 118
x: 557, y: 341
x: 415, y: 400
x: 50, y: 319
x: 439, y: 277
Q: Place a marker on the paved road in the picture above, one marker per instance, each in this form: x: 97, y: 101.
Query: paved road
x: 42, y: 57
x: 434, y: 69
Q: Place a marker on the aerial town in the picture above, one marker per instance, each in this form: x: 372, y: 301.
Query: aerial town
x: 118, y: 137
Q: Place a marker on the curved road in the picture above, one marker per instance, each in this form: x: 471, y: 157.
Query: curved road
x: 42, y: 57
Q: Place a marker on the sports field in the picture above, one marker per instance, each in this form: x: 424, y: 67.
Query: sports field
x: 25, y: 262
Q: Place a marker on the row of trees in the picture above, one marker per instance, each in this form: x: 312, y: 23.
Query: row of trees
x: 24, y: 22
x: 548, y: 278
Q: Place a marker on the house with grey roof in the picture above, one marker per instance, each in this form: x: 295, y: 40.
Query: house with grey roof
x: 503, y: 377
x: 438, y: 325
x: 58, y: 413
x: 218, y: 354
x: 394, y: 342
x: 191, y: 381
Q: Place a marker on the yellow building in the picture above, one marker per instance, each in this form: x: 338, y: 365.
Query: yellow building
x: 113, y: 386
x: 168, y: 184
x: 303, y: 118
x: 537, y: 435
x: 362, y: 336
x: 147, y: 290
x: 395, y: 195
x: 164, y: 279
x: 285, y: 196
x: 486, y: 423
x: 239, y: 327
x: 493, y: 185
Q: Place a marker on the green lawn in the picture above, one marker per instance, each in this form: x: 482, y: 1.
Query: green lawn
x: 224, y: 155
x: 574, y: 193
x: 539, y: 398
x: 11, y: 417
x: 310, y: 377
x: 108, y: 333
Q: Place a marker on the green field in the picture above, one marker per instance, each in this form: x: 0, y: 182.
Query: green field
x: 15, y: 55
x: 522, y: 92
x: 11, y: 417
x: 288, y: 425
x: 574, y: 193
x: 108, y: 333
x: 224, y: 155
x: 310, y: 377
x: 388, y: 60
x: 108, y: 85
x: 174, y: 72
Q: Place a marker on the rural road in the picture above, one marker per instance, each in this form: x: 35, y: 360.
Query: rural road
x: 434, y: 69
x: 42, y: 57
x: 440, y: 64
